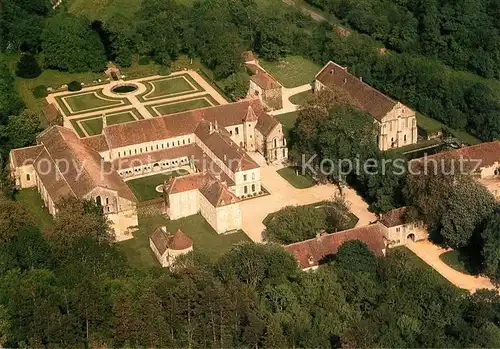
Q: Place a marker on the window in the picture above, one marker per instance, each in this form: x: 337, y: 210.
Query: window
x: 245, y: 189
x: 237, y: 131
x: 130, y: 152
x: 406, y: 123
x: 390, y: 126
x: 183, y: 141
x: 244, y: 177
x: 253, y: 188
x: 28, y: 178
x: 157, y: 147
x: 107, y: 201
x: 189, y: 140
x: 98, y: 200
x: 141, y: 150
x: 253, y: 176
x: 118, y: 154
x: 404, y: 138
x: 135, y: 151
x: 398, y: 230
x: 249, y: 125
x: 162, y: 146
x: 231, y: 132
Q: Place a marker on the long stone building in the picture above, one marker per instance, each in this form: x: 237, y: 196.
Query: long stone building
x: 210, y: 143
x: 396, y: 123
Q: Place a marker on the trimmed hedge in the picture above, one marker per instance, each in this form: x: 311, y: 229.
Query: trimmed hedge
x: 74, y: 86
x: 40, y: 91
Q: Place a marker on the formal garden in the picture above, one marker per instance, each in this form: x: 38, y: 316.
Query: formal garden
x: 178, y: 106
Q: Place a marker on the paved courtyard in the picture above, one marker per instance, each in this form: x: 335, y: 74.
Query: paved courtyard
x: 283, y: 194
x: 155, y: 95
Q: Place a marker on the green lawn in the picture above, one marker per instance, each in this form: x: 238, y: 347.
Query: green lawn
x: 89, y: 101
x: 49, y: 78
x: 459, y: 261
x: 33, y: 203
x: 145, y: 188
x: 205, y: 240
x: 297, y: 180
x: 431, y: 125
x: 168, y: 86
x: 417, y: 263
x: 288, y: 122
x: 93, y: 125
x: 292, y: 71
x: 180, y: 106
x: 103, y: 10
x: 300, y: 97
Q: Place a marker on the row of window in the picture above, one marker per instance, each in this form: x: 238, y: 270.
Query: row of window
x: 245, y: 189
x: 171, y: 163
x: 246, y: 176
x: 394, y: 123
x: 158, y: 147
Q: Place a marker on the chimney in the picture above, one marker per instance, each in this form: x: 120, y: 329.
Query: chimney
x: 210, y: 127
x: 345, y: 68
x: 345, y: 81
x: 225, y: 158
x: 361, y: 78
x: 216, y: 126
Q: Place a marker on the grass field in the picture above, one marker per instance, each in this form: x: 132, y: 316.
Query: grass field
x: 169, y: 87
x: 33, y: 203
x: 49, y: 78
x: 88, y: 101
x: 301, y: 97
x: 103, y: 9
x: 145, y: 188
x: 288, y: 122
x: 205, y: 240
x: 93, y: 124
x: 298, y: 181
x: 182, y: 105
x: 292, y: 71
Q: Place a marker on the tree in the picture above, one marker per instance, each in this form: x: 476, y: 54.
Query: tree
x: 236, y: 85
x: 491, y: 248
x: 20, y: 131
x: 295, y: 223
x: 69, y: 43
x: 27, y: 67
x: 10, y: 103
x: 466, y: 212
x: 354, y: 256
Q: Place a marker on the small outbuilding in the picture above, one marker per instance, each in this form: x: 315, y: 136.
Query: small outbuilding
x: 167, y: 247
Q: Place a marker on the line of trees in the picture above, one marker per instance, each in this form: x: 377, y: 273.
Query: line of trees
x: 71, y: 286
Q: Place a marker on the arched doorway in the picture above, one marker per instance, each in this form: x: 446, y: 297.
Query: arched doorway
x: 411, y: 237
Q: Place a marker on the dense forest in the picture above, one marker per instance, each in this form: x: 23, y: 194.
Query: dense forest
x: 443, y: 62
x: 70, y: 286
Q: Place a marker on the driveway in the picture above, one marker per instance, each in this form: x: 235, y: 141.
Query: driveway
x: 283, y: 194
x: 429, y: 253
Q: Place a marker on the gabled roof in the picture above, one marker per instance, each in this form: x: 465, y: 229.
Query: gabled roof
x: 179, y: 124
x: 210, y: 187
x: 97, y: 143
x: 163, y: 240
x: 364, y: 96
x: 25, y: 156
x: 228, y: 152
x: 394, y: 217
x: 75, y: 168
x: 311, y: 253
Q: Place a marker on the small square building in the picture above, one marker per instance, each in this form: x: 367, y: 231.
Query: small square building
x: 167, y: 247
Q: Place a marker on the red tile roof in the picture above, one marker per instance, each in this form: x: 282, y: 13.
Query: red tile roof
x: 262, y: 78
x: 365, y: 97
x: 97, y: 143
x: 394, y: 217
x: 163, y: 240
x: 311, y: 253
x: 25, y: 156
x: 179, y: 124
x: 211, y: 188
x: 51, y: 112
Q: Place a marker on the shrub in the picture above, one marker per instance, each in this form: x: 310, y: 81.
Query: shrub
x: 164, y: 70
x: 144, y: 60
x: 74, y: 86
x: 40, y: 91
x: 27, y: 67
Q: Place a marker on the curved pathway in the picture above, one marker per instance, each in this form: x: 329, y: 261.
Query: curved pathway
x: 282, y: 194
x: 429, y: 253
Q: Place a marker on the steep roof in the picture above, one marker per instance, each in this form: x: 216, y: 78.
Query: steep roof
x: 163, y: 240
x: 97, y: 143
x: 179, y: 124
x: 228, y: 152
x: 210, y: 187
x: 394, y: 217
x: 266, y: 124
x: 485, y: 153
x: 365, y: 97
x: 25, y: 156
x: 77, y: 168
x: 310, y: 253
x: 265, y: 80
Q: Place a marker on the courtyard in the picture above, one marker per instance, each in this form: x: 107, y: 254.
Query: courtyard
x: 145, y: 188
x: 130, y: 100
